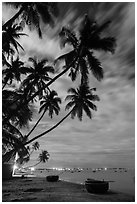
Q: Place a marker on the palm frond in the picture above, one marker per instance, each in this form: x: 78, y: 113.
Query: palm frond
x: 91, y: 105
x: 69, y: 105
x: 80, y: 112
x: 94, y: 97
x: 68, y: 37
x: 87, y: 111
x: 95, y: 66
x: 72, y: 90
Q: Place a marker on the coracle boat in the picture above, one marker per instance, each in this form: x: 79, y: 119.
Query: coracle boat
x: 96, y: 186
x: 52, y: 178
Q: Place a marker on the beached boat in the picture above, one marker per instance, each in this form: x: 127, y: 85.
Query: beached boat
x: 96, y: 186
x: 52, y: 178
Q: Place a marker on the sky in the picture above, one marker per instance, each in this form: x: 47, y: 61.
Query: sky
x: 109, y: 138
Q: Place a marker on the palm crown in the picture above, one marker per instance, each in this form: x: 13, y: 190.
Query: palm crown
x: 81, y: 58
x: 50, y: 103
x: 38, y: 75
x: 9, y: 36
x: 14, y: 71
x: 44, y: 156
x: 81, y: 100
x: 32, y: 12
x: 19, y: 117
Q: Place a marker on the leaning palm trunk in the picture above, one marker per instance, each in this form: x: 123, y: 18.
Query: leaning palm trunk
x: 49, y: 130
x: 36, y: 124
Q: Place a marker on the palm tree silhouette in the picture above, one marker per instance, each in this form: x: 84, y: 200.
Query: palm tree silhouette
x: 50, y: 103
x: 37, y: 77
x: 35, y: 146
x: 43, y: 157
x: 32, y: 12
x: 81, y: 59
x: 80, y: 100
x: 19, y: 117
x: 14, y: 71
x: 12, y: 142
x: 9, y: 36
x: 82, y: 53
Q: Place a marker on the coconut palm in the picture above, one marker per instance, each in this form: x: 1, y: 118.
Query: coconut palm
x: 9, y: 42
x: 21, y: 158
x: 37, y: 77
x: 50, y: 103
x: 32, y: 12
x: 12, y: 142
x: 43, y: 157
x: 35, y: 146
x: 14, y: 71
x: 80, y: 100
x: 10, y: 102
x: 81, y: 59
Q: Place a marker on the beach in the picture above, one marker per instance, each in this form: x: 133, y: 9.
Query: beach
x: 37, y: 189
x: 70, y: 187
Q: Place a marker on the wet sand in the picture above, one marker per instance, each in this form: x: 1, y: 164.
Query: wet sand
x: 39, y: 190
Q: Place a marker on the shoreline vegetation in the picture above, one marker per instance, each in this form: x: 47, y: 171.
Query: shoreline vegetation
x: 36, y: 189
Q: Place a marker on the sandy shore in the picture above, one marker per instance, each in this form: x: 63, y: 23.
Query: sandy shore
x: 39, y: 190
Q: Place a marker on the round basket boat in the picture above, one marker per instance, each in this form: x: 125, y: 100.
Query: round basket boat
x: 53, y: 178
x: 95, y: 186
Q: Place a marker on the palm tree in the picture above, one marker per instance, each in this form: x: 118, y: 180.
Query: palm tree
x: 21, y: 158
x: 50, y: 103
x: 81, y: 100
x: 82, y: 55
x: 81, y: 58
x: 38, y: 75
x: 32, y: 12
x: 9, y: 36
x: 43, y: 157
x: 10, y: 102
x: 12, y: 142
x: 14, y: 71
x: 35, y: 146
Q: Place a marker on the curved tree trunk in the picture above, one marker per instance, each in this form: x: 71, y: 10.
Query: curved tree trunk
x: 36, y: 124
x: 49, y: 130
x: 10, y: 21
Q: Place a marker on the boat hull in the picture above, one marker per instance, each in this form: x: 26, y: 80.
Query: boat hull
x: 53, y: 178
x: 95, y: 186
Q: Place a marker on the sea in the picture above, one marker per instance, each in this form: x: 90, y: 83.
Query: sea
x: 120, y: 179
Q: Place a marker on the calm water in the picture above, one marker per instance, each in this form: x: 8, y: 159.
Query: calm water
x: 124, y: 180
